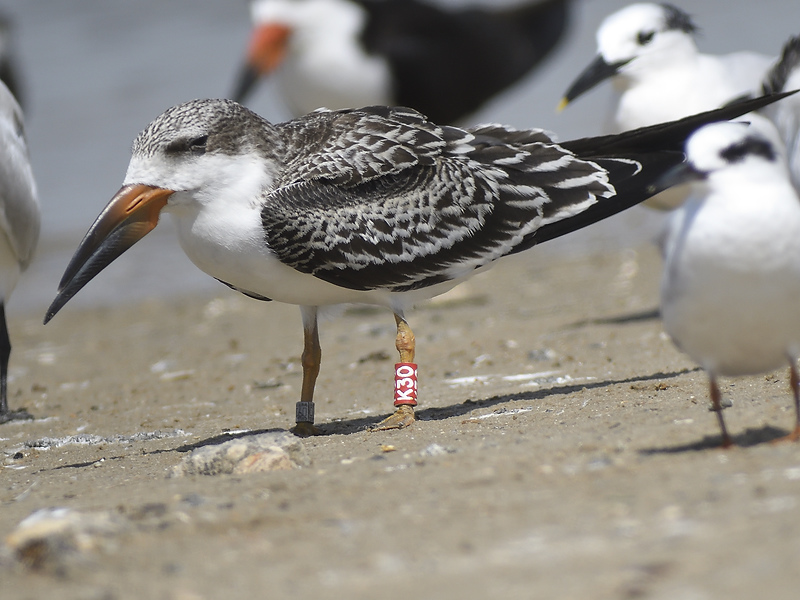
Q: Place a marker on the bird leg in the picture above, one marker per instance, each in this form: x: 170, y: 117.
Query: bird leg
x: 311, y: 360
x: 716, y: 406
x: 405, y: 395
x: 5, y: 352
x: 794, y: 382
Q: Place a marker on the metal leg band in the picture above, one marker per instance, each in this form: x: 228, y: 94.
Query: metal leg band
x: 304, y: 412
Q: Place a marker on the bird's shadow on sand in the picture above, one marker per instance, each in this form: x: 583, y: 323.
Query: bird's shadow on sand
x: 650, y: 314
x: 349, y: 426
x: 361, y: 424
x: 746, y: 439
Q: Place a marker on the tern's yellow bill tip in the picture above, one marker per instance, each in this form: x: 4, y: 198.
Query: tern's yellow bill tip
x: 563, y: 104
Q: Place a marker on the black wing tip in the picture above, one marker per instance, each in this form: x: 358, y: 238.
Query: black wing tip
x: 670, y: 135
x: 776, y: 78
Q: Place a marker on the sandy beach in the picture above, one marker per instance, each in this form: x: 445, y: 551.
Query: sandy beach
x: 564, y: 449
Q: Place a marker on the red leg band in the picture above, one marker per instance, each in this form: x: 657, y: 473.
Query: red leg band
x: 405, y: 384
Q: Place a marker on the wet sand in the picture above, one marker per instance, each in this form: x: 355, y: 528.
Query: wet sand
x: 564, y: 449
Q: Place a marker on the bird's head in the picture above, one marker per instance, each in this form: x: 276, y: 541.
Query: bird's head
x: 285, y: 27
x: 746, y: 150
x: 634, y: 42
x: 191, y: 155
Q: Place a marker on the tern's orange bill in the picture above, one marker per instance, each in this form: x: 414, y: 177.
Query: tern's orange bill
x: 267, y: 47
x: 265, y: 52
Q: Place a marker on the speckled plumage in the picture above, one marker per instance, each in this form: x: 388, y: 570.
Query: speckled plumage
x: 387, y: 199
x: 383, y: 198
x: 376, y: 205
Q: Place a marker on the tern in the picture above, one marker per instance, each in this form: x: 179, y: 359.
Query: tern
x: 649, y: 52
x: 731, y: 279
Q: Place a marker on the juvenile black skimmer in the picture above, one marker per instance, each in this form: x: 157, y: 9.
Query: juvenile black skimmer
x: 731, y: 282
x: 444, y: 63
x: 374, y: 206
x: 19, y: 207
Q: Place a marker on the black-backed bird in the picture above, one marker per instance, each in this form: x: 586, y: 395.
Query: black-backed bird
x: 373, y: 206
x: 445, y: 63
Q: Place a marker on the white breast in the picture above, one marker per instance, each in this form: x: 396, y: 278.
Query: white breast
x: 731, y: 284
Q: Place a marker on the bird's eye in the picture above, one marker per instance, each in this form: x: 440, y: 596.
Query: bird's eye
x: 197, y: 146
x: 645, y: 37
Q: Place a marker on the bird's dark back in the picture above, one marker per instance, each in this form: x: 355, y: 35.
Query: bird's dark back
x: 447, y: 64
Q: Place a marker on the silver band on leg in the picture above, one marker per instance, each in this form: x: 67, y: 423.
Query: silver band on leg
x: 304, y: 412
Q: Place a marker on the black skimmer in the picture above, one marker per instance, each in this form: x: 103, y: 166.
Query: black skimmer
x: 731, y: 278
x: 374, y: 206
x: 445, y: 63
x: 19, y: 224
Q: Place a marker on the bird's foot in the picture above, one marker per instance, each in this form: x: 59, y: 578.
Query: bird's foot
x: 16, y: 415
x: 402, y: 417
x: 792, y: 437
x: 304, y: 429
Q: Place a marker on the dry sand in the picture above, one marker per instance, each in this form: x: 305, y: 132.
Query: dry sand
x: 577, y: 462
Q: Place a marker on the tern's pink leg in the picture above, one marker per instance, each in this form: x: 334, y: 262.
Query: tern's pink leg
x: 716, y: 406
x: 794, y: 382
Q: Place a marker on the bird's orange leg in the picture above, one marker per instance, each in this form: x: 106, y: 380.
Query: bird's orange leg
x: 311, y: 360
x: 405, y: 380
x: 716, y: 406
x: 794, y: 382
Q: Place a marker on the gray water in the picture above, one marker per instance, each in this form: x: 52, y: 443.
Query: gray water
x: 97, y: 71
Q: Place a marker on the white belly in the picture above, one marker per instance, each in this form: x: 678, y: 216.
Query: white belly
x: 237, y: 254
x: 731, y: 296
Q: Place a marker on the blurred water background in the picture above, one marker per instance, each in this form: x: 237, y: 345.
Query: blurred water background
x: 95, y: 72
